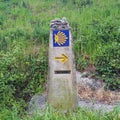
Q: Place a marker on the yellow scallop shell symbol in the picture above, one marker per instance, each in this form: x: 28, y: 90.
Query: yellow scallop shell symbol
x: 60, y: 38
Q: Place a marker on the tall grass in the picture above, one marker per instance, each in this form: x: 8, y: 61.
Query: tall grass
x: 52, y: 114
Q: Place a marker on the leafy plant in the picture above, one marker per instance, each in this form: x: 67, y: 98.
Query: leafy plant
x: 108, y: 66
x: 20, y: 75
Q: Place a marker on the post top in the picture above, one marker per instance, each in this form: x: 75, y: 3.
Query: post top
x: 59, y: 24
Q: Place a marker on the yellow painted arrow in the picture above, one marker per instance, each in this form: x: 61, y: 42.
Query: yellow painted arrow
x: 63, y: 58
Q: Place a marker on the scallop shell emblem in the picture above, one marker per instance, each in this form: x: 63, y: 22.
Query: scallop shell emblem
x: 60, y: 38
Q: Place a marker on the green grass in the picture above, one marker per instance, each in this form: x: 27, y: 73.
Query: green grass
x: 24, y: 38
x: 52, y: 114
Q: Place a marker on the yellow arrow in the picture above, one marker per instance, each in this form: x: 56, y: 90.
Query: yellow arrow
x: 63, y: 58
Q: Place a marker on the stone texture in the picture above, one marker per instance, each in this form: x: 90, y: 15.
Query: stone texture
x: 59, y: 24
x: 88, y: 82
x: 62, y: 89
x: 39, y: 102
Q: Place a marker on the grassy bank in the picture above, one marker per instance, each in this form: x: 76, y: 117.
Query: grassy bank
x: 24, y: 38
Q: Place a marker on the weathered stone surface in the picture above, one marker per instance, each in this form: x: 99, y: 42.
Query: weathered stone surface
x: 59, y: 24
x: 88, y: 82
x: 62, y: 89
x: 38, y: 102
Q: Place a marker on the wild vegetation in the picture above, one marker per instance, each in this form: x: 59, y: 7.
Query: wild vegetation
x: 24, y: 37
x: 52, y: 114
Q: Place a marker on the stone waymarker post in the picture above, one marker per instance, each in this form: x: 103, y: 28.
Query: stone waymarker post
x: 62, y: 91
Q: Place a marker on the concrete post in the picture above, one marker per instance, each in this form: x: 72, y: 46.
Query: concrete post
x: 62, y: 91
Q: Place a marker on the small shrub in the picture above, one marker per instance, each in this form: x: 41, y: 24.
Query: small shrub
x: 21, y: 75
x: 108, y: 66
